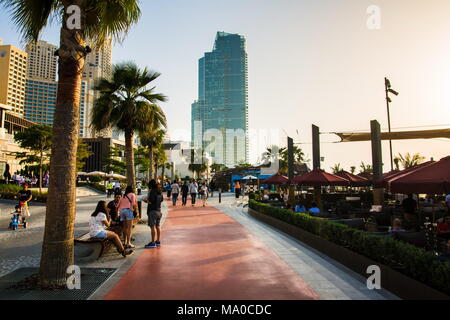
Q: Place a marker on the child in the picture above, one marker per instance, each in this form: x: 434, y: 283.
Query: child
x: 16, y: 217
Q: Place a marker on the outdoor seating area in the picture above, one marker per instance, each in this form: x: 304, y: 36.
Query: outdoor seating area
x: 415, y: 208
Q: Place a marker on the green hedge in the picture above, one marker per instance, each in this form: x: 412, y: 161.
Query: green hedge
x: 96, y: 186
x: 411, y: 261
x: 10, y: 192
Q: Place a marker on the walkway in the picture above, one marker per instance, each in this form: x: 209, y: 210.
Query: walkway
x: 206, y: 255
x: 223, y: 253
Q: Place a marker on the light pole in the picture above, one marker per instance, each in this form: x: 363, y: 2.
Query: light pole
x: 388, y: 90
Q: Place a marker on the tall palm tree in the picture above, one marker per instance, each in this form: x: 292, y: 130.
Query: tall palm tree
x: 127, y: 103
x: 199, y: 163
x: 159, y: 158
x: 336, y: 168
x: 410, y: 160
x: 152, y: 139
x: 98, y: 19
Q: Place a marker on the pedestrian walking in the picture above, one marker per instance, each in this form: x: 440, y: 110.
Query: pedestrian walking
x: 175, y: 192
x: 139, y: 188
x: 169, y: 190
x: 193, y: 190
x: 237, y: 189
x: 154, y: 200
x: 117, y: 188
x: 184, y: 193
x: 127, y: 207
x: 204, y: 193
x: 110, y: 189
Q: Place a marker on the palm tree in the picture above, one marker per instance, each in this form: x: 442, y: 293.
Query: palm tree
x: 336, y: 168
x: 159, y: 158
x: 410, y: 160
x: 126, y: 103
x: 199, y: 163
x: 98, y: 19
x: 353, y: 169
x: 152, y: 139
x: 366, y: 168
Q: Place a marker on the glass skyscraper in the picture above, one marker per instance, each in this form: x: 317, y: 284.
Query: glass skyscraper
x: 220, y: 115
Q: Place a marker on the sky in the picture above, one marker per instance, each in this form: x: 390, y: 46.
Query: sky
x: 310, y: 62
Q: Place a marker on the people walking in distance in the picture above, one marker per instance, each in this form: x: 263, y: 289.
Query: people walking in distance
x: 184, y: 193
x: 237, y: 189
x: 117, y: 188
x: 193, y: 190
x: 139, y: 188
x: 110, y: 189
x: 204, y: 193
x: 127, y: 207
x: 175, y: 192
x: 154, y: 200
x: 169, y: 190
x: 97, y: 228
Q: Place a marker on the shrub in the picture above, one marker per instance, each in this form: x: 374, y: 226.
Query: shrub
x: 405, y: 258
x: 10, y: 192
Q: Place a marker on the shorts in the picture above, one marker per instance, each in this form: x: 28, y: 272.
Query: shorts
x: 154, y: 218
x: 101, y: 235
x: 126, y: 215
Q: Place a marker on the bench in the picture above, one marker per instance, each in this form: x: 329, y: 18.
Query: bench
x: 96, y: 247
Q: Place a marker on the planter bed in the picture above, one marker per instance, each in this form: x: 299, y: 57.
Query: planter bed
x: 393, y: 276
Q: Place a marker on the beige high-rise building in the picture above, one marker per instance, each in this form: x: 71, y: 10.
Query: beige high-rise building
x: 98, y: 65
x: 42, y: 61
x: 99, y: 62
x: 13, y: 77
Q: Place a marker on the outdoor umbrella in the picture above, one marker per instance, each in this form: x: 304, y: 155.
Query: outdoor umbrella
x: 82, y: 173
x: 277, y: 179
x: 366, y: 175
x: 396, y: 174
x: 250, y: 178
x: 118, y: 176
x: 355, y: 181
x: 318, y: 178
x: 96, y: 174
x: 430, y: 179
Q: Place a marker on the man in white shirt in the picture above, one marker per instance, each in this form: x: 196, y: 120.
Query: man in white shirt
x: 193, y: 190
x: 175, y: 192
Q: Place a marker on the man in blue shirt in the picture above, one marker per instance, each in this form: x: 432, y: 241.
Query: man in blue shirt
x: 314, y: 210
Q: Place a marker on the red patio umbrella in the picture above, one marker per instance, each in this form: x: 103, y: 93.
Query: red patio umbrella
x: 355, y: 181
x: 430, y: 179
x: 393, y: 175
x: 318, y: 178
x: 366, y: 175
x: 277, y: 179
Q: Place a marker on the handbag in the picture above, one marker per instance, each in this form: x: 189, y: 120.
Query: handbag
x: 135, y: 213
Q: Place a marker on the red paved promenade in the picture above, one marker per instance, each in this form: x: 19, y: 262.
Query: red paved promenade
x: 208, y: 256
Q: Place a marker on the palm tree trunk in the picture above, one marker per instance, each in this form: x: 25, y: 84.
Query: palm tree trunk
x: 150, y: 169
x: 129, y: 155
x: 58, y: 244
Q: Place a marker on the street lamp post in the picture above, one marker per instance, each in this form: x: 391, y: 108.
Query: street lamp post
x: 388, y: 90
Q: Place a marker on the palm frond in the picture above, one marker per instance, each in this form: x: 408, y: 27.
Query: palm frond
x: 30, y: 17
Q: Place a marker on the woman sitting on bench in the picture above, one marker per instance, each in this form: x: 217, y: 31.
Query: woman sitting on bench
x: 98, y: 224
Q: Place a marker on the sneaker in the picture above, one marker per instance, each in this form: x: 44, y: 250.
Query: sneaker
x: 150, y: 245
x: 158, y: 243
